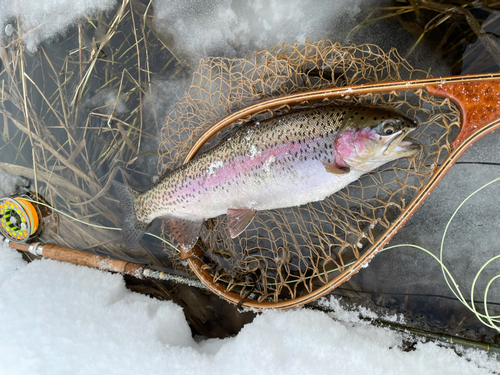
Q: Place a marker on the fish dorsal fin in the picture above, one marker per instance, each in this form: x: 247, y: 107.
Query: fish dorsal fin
x: 238, y: 219
x: 185, y: 229
x: 335, y: 169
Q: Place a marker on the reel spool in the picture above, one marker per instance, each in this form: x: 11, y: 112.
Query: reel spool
x: 20, y: 219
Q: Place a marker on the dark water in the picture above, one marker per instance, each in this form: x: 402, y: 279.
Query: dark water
x: 409, y: 281
x: 73, y: 140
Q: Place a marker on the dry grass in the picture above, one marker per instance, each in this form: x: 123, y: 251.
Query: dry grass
x: 447, y: 26
x: 71, y: 147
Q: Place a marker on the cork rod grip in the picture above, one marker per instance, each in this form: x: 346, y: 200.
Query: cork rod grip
x: 82, y: 258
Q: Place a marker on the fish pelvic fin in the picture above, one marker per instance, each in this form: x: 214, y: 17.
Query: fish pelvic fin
x: 238, y: 219
x: 132, y: 229
x: 185, y: 229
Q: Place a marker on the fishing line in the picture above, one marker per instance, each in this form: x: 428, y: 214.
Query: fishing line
x: 95, y: 225
x: 447, y: 274
x: 472, y: 307
x: 491, y: 321
x: 451, y: 281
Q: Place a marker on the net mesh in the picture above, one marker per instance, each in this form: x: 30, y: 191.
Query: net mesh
x: 289, y: 252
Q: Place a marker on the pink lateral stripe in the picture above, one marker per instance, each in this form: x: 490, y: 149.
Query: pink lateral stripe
x: 229, y: 170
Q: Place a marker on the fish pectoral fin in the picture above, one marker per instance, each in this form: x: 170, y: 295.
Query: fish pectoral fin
x: 335, y: 169
x: 238, y: 219
x: 185, y: 230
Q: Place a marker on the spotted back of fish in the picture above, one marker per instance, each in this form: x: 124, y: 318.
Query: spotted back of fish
x: 243, y: 158
x: 285, y: 161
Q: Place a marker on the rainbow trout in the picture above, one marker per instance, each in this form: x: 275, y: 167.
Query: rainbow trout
x: 285, y: 161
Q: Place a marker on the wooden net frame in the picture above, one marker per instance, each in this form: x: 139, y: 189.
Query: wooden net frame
x: 291, y: 256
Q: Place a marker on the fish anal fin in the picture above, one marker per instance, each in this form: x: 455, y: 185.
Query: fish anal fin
x: 185, y: 229
x: 238, y: 220
x: 335, y: 169
x: 133, y: 232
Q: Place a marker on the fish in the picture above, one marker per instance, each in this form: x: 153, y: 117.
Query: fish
x: 285, y: 161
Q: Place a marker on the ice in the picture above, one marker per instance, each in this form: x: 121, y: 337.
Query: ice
x: 9, y: 183
x: 198, y: 29
x: 9, y: 30
x: 57, y: 318
x: 44, y: 20
x: 108, y: 101
x: 412, y: 280
x: 158, y: 103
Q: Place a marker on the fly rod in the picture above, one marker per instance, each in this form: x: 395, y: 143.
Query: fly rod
x: 82, y: 258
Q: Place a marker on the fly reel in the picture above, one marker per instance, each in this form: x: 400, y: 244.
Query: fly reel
x: 20, y: 218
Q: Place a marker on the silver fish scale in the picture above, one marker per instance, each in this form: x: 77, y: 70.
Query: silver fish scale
x: 188, y: 191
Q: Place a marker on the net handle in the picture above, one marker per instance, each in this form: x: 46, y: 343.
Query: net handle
x: 477, y: 96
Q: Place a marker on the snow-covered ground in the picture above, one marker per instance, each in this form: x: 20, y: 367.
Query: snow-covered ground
x: 57, y: 318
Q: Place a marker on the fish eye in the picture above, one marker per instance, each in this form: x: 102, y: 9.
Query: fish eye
x: 388, y: 130
x: 387, y: 127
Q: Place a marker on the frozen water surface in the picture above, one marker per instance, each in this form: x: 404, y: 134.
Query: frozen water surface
x: 46, y: 20
x: 239, y: 27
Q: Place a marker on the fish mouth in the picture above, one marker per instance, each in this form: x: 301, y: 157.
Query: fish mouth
x: 401, y: 146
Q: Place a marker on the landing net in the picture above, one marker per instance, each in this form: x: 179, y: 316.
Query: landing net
x: 287, y: 253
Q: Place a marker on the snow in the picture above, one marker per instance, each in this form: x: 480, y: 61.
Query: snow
x: 9, y: 183
x: 57, y: 318
x: 238, y: 28
x: 108, y: 101
x: 212, y: 168
x: 253, y: 151
x: 267, y: 164
x: 45, y: 20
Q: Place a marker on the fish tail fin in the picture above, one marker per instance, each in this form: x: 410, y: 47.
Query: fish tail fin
x: 132, y: 229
